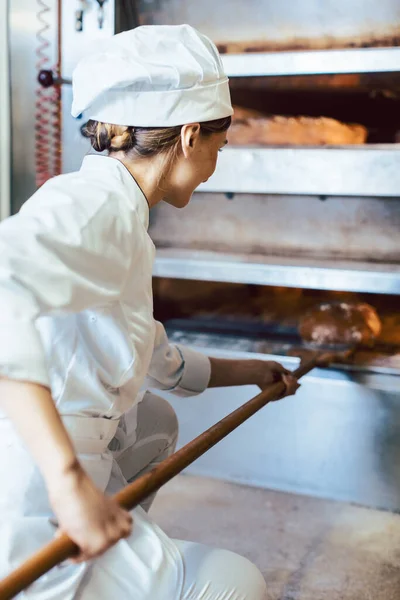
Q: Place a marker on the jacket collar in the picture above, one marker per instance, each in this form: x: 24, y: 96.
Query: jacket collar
x: 114, y: 168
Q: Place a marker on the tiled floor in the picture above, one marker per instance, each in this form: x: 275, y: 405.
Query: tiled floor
x: 307, y: 549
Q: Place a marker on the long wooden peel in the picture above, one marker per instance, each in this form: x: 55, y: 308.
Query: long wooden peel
x: 63, y: 547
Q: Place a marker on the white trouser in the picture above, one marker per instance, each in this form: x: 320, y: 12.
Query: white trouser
x: 209, y: 573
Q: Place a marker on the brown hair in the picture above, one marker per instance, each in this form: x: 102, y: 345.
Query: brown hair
x: 143, y: 141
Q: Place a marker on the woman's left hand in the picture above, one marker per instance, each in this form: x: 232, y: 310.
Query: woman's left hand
x: 273, y: 372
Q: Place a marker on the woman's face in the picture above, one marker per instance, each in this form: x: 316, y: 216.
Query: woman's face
x: 195, y: 164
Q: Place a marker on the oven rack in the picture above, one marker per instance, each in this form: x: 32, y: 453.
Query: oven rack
x: 199, y: 336
x: 294, y: 272
x: 313, y: 62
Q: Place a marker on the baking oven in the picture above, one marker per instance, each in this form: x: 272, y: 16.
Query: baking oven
x: 304, y: 207
x: 304, y: 204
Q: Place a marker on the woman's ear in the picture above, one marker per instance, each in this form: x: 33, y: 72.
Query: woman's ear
x: 190, y: 135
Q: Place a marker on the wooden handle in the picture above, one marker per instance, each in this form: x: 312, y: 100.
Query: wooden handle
x: 129, y: 497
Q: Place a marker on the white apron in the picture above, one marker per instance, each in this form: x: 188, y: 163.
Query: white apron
x: 146, y: 566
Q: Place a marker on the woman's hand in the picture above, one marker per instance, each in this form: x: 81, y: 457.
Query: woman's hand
x: 273, y: 372
x: 230, y: 372
x: 92, y: 520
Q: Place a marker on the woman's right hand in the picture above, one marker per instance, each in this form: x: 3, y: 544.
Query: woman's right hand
x: 92, y: 520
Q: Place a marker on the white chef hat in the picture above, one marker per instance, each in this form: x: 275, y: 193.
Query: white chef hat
x: 153, y: 76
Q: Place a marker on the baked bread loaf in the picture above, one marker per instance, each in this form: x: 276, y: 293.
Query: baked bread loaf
x: 340, y: 323
x: 250, y: 127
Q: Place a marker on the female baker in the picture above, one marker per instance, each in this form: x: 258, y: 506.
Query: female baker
x: 79, y: 346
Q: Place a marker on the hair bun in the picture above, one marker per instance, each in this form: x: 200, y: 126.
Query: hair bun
x: 122, y: 138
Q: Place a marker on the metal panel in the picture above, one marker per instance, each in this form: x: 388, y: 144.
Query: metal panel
x: 287, y: 272
x: 24, y: 26
x: 260, y: 225
x: 338, y: 438
x: 356, y: 171
x: 5, y: 116
x: 318, y: 62
x: 287, y: 24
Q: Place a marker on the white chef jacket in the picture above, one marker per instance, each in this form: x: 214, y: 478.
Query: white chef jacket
x: 76, y: 310
x: 76, y: 314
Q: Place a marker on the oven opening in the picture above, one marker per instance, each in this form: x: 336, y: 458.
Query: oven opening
x: 317, y: 110
x: 264, y: 319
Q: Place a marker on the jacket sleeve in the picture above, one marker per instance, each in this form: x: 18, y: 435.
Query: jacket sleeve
x: 55, y: 261
x: 177, y: 369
